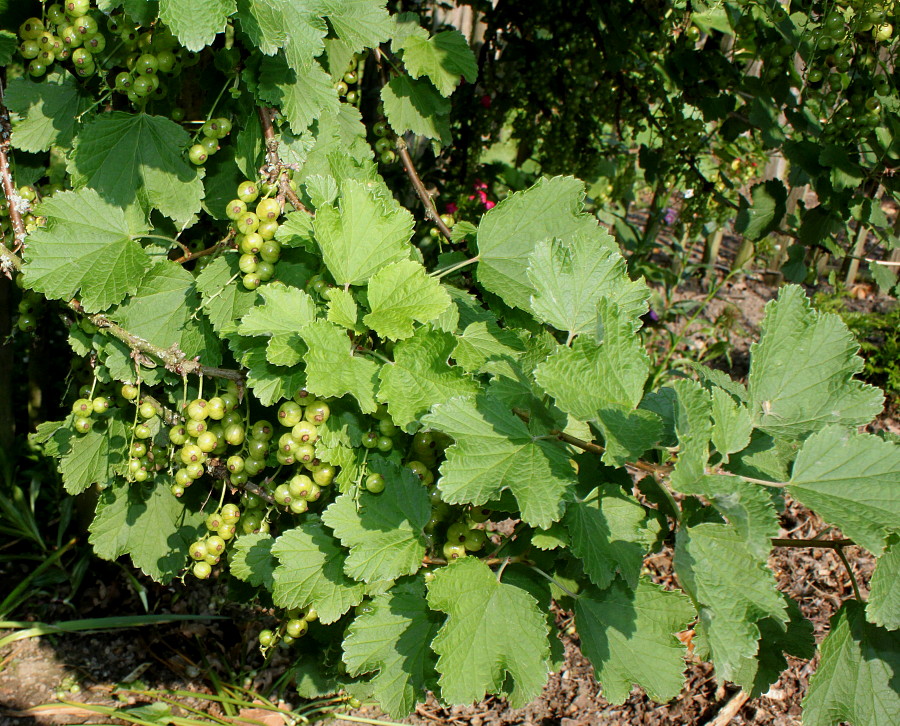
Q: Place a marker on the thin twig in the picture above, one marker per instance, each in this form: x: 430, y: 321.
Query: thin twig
x: 843, y: 557
x: 832, y: 544
x: 188, y: 256
x: 430, y: 210
x: 9, y: 189
x: 595, y: 448
x: 274, y: 166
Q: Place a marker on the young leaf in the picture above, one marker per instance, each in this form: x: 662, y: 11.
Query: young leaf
x: 197, y: 23
x: 251, y: 560
x: 493, y: 632
x: 628, y: 634
x: 343, y: 310
x: 801, y: 371
x: 732, y: 588
x: 509, y: 233
x: 570, y: 278
x: 269, y: 381
x: 87, y: 247
x: 420, y: 376
x: 394, y: 638
x: 693, y: 427
x: 494, y: 450
x: 383, y: 532
x: 302, y: 93
x: 137, y: 159
x: 883, y: 607
x: 850, y: 480
x: 856, y: 678
x: 588, y: 377
x: 310, y: 571
x: 333, y: 370
x: 445, y: 58
x: 365, y: 233
x: 731, y: 424
x: 48, y: 110
x: 484, y: 341
x: 610, y: 533
x: 399, y: 295
x: 283, y: 309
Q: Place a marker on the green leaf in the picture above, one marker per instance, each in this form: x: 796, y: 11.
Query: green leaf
x: 343, y: 310
x: 693, y: 426
x: 8, y: 43
x: 363, y: 234
x: 394, y: 638
x: 250, y: 559
x: 137, y: 158
x: 421, y: 376
x: 629, y: 636
x: 415, y: 105
x: 856, y: 681
x: 484, y: 341
x: 587, y: 377
x: 359, y: 23
x: 196, y: 23
x: 731, y: 424
x: 333, y: 370
x: 493, y: 632
x: 756, y: 675
x: 399, y: 295
x: 283, y: 310
x: 883, y: 607
x: 509, y: 233
x: 161, y: 312
x: 263, y: 21
x: 732, y: 588
x: 87, y: 247
x: 851, y: 480
x: 747, y: 507
x: 269, y: 381
x: 627, y: 434
x: 302, y: 93
x: 48, y: 110
x: 297, y: 231
x: 570, y: 278
x: 758, y: 218
x: 224, y: 299
x: 147, y: 523
x: 494, y: 451
x: 92, y: 458
x: 382, y: 531
x: 311, y: 572
x: 801, y: 371
x: 444, y: 58
x: 610, y: 533
x: 845, y: 172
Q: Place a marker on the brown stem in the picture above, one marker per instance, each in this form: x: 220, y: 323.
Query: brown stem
x: 188, y: 255
x: 9, y: 190
x: 274, y: 166
x: 831, y: 544
x: 172, y: 358
x: 430, y: 210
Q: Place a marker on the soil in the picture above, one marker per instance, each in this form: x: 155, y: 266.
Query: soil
x: 85, y: 668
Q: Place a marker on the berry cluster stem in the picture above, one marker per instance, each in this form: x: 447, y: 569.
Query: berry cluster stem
x: 274, y: 166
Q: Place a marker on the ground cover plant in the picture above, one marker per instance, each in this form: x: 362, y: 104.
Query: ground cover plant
x: 416, y: 430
